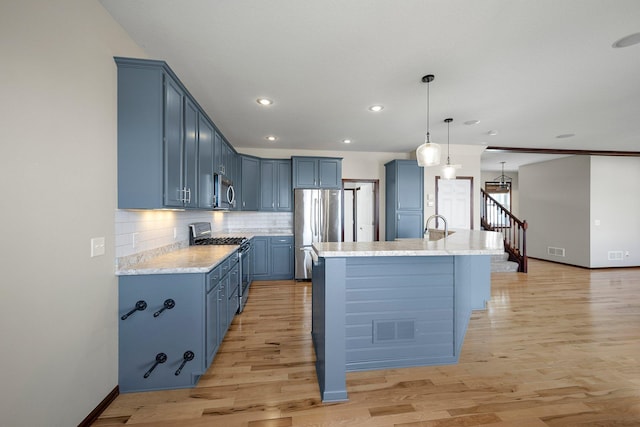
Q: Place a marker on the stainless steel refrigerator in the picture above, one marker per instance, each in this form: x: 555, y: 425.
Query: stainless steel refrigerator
x: 317, y: 218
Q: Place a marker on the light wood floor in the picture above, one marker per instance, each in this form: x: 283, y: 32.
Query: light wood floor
x: 559, y: 346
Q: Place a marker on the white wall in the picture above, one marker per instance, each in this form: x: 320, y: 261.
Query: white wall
x: 468, y: 156
x: 58, y: 321
x: 586, y: 204
x: 615, y: 204
x: 555, y: 201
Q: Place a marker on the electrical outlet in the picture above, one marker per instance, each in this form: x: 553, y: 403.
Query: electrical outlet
x: 175, y: 233
x: 134, y: 240
x: 97, y: 246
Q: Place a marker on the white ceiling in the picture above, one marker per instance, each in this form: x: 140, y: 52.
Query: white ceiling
x: 530, y: 70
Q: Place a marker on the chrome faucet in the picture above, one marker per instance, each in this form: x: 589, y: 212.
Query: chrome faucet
x: 446, y: 228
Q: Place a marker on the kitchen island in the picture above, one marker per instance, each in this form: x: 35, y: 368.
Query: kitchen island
x: 380, y: 305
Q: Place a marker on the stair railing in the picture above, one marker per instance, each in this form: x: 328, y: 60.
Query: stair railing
x: 495, y: 217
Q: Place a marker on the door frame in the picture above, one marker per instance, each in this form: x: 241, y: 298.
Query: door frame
x: 376, y: 205
x: 470, y: 178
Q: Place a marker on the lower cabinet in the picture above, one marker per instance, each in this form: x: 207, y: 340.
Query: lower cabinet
x: 272, y: 257
x: 171, y: 325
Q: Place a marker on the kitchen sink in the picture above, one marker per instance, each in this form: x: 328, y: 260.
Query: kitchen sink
x: 432, y: 235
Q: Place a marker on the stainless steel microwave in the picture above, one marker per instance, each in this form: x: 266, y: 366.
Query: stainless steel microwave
x: 224, y: 196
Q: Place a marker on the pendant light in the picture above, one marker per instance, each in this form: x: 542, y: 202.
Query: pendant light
x: 504, y: 181
x: 428, y: 154
x: 449, y: 170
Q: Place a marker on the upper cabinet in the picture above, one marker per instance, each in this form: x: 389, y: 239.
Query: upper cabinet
x: 249, y: 182
x: 167, y: 146
x: 275, y: 185
x: 317, y: 172
x: 224, y: 157
x: 205, y: 163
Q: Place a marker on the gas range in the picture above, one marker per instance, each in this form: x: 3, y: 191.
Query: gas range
x: 220, y: 241
x: 200, y: 234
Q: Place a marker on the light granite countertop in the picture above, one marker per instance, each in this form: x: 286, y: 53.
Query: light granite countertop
x: 460, y: 242
x: 192, y: 259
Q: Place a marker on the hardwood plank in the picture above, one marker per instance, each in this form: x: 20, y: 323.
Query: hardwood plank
x: 559, y: 346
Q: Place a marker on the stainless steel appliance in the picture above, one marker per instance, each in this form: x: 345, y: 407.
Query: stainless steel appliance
x: 224, y: 196
x: 317, y: 218
x: 200, y: 234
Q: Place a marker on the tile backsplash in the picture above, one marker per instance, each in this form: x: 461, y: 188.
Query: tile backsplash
x: 141, y: 231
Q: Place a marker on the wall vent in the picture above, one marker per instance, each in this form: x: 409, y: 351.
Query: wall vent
x: 385, y: 331
x: 555, y: 251
x: 615, y: 255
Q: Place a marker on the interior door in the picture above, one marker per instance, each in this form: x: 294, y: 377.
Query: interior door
x: 454, y: 201
x: 364, y: 213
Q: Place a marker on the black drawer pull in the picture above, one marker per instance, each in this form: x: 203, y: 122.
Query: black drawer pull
x: 140, y: 306
x: 168, y: 305
x: 187, y: 357
x: 160, y: 358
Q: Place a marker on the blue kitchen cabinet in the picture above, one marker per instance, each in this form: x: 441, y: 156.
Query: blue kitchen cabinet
x: 281, y: 257
x: 205, y: 163
x: 317, y: 172
x: 275, y: 185
x: 273, y: 257
x: 190, y: 147
x: 404, y: 210
x: 224, y: 156
x: 168, y: 147
x: 260, y: 257
x: 213, y: 334
x: 145, y: 339
x: 249, y: 183
x: 173, y: 142
x: 202, y: 308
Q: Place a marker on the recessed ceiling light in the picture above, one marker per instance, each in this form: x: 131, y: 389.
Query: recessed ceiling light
x: 376, y: 108
x: 565, y: 135
x: 346, y: 141
x: 271, y: 138
x: 264, y: 101
x: 492, y: 132
x: 627, y: 41
x: 471, y: 122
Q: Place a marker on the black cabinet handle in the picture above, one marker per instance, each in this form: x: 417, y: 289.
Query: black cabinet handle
x: 187, y: 357
x: 140, y: 305
x: 168, y: 305
x: 160, y: 358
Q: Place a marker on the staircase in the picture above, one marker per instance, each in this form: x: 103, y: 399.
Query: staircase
x: 495, y: 217
x: 501, y: 264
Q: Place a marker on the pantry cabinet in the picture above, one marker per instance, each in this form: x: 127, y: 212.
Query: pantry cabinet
x: 404, y: 199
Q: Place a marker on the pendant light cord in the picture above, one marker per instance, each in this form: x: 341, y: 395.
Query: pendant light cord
x: 448, y: 124
x: 428, y: 140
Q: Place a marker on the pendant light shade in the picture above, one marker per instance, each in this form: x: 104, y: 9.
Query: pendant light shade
x: 428, y: 154
x: 449, y: 170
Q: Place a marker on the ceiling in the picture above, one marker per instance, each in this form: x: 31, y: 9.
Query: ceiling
x: 528, y: 70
